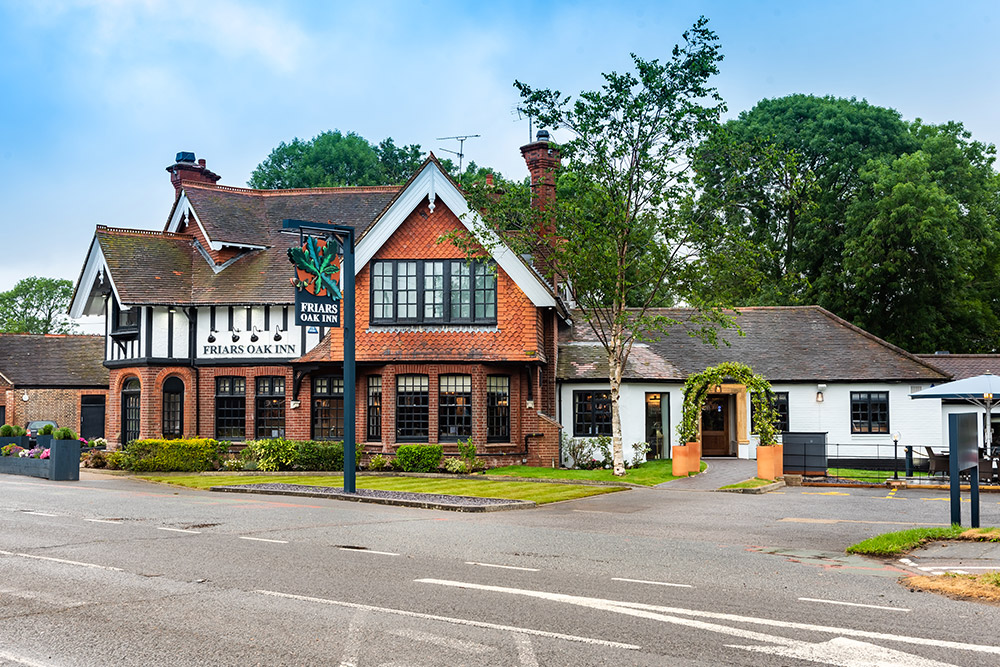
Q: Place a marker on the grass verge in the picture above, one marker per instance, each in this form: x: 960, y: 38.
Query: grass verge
x: 749, y: 484
x: 899, y: 542
x: 983, y: 587
x: 873, y: 476
x: 479, y: 488
x: 649, y: 473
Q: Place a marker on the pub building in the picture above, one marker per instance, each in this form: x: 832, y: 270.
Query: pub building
x: 201, y: 341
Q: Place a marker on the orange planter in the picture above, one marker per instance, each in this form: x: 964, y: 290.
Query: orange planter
x: 779, y: 461
x: 768, y: 462
x: 694, y: 462
x: 681, y: 460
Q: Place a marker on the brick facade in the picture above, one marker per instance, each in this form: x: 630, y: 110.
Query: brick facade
x: 59, y: 405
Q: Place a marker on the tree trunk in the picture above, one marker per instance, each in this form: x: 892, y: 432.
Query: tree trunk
x: 616, y: 367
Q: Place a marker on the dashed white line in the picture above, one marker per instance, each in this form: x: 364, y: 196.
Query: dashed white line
x: 853, y: 604
x: 503, y: 567
x: 263, y: 539
x: 180, y: 530
x: 654, y: 583
x: 38, y: 513
x: 104, y: 521
x: 21, y: 660
x: 457, y: 621
x: 369, y: 551
x: 64, y: 561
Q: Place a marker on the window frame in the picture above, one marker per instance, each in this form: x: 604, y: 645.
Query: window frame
x: 497, y: 412
x: 780, y: 401
x: 454, y: 407
x: 416, y: 413
x: 867, y: 400
x: 175, y: 418
x: 268, y: 404
x: 373, y: 415
x: 481, y: 290
x: 131, y: 398
x: 598, y: 402
x: 326, y: 418
x: 236, y: 417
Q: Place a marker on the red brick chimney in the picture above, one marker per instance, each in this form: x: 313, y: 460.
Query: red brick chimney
x: 186, y: 169
x: 542, y: 158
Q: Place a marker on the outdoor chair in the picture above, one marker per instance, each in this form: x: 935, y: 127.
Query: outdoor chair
x: 938, y: 463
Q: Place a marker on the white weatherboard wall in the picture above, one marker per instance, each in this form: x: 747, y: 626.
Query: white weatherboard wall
x: 918, y: 422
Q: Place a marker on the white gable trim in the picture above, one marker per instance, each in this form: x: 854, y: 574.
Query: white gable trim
x: 433, y: 184
x: 82, y: 303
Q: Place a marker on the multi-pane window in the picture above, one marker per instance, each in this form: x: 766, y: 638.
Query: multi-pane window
x: 869, y: 412
x: 130, y: 410
x: 270, y: 407
x: 230, y: 408
x: 412, y: 408
x: 454, y: 407
x: 591, y: 413
x: 173, y: 408
x: 497, y: 408
x: 416, y: 291
x: 780, y: 406
x: 328, y: 408
x: 374, y: 431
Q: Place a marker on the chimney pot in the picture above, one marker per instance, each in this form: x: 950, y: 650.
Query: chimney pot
x: 489, y: 179
x: 186, y: 169
x: 202, y: 162
x: 542, y: 135
x: 185, y: 156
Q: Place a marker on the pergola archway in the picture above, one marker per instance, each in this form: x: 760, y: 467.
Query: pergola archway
x: 698, y: 386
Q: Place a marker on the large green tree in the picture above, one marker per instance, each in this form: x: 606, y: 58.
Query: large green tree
x: 333, y: 159
x: 622, y: 234
x: 882, y: 221
x: 37, y: 305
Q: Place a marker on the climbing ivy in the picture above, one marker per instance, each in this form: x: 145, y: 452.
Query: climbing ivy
x: 762, y: 397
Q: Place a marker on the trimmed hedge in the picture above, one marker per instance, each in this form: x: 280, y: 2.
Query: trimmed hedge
x: 194, y: 455
x: 324, y: 455
x: 418, y: 458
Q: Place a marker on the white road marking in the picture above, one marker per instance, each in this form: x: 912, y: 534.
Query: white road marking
x: 594, y: 512
x: 846, y: 653
x: 647, y: 611
x: 505, y: 567
x: 355, y: 639
x: 457, y: 621
x: 369, y: 551
x: 447, y: 642
x: 61, y: 560
x: 21, y: 660
x: 263, y: 539
x: 38, y: 513
x: 525, y: 653
x: 793, y: 519
x: 654, y: 583
x: 854, y: 604
x: 180, y: 530
x: 964, y: 567
x: 104, y: 521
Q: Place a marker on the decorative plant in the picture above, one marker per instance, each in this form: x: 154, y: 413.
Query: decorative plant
x: 46, y: 430
x: 64, y: 433
x: 380, y: 462
x: 6, y: 431
x: 697, y: 387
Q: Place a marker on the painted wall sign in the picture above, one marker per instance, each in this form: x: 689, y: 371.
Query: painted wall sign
x: 316, y: 281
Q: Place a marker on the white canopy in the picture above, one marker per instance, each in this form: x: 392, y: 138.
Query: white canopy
x: 978, y: 390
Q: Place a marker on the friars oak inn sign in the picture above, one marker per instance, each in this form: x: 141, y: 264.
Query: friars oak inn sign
x: 316, y: 281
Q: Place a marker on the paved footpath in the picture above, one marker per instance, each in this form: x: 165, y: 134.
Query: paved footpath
x: 720, y: 472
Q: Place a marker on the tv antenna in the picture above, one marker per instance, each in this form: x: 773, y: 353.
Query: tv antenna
x: 522, y: 113
x: 461, y: 147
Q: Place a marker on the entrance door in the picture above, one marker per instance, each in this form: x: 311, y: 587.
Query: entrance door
x: 91, y: 417
x: 715, y: 425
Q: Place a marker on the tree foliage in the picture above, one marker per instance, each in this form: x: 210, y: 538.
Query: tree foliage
x: 623, y: 234
x: 888, y: 223
x: 334, y: 159
x: 37, y: 305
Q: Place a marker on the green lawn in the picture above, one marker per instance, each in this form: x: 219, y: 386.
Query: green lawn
x: 899, y: 542
x: 749, y: 484
x: 649, y: 473
x: 480, y: 488
x: 874, y: 476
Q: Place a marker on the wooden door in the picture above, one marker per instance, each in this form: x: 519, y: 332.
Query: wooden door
x: 715, y: 425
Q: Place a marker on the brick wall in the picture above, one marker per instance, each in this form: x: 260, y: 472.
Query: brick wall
x: 59, y: 405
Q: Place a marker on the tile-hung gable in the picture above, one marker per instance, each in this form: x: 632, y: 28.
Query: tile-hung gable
x: 198, y: 318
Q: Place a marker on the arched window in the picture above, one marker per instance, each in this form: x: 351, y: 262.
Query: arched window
x: 173, y: 408
x: 130, y: 410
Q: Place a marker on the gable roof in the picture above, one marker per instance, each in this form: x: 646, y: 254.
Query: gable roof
x: 34, y: 360
x: 784, y: 344
x: 961, y: 366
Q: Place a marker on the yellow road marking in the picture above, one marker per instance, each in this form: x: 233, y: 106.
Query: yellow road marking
x: 824, y: 493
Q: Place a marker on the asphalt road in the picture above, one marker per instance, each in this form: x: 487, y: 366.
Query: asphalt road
x: 116, y: 571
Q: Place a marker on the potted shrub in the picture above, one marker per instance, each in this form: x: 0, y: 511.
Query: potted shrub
x: 65, y: 455
x: 44, y: 437
x: 13, y: 435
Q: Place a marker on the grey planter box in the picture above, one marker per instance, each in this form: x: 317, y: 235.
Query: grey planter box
x: 804, y: 453
x: 63, y: 463
x: 21, y: 441
x: 43, y: 441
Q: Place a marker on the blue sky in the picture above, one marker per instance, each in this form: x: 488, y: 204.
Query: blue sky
x: 100, y: 95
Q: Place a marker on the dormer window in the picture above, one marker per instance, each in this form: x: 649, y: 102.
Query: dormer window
x: 433, y: 291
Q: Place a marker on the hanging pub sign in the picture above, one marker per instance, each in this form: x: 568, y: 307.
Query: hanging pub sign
x: 317, y: 262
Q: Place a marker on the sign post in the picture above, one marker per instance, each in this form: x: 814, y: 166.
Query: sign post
x: 325, y: 250
x: 963, y: 454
